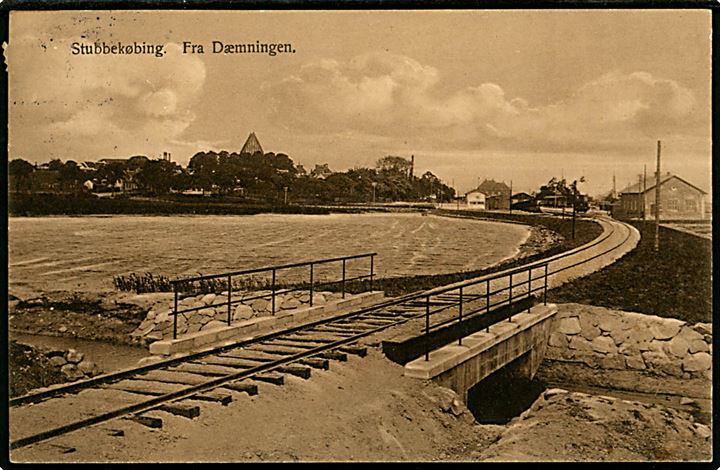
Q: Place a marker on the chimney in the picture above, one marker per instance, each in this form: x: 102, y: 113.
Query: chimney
x: 412, y: 165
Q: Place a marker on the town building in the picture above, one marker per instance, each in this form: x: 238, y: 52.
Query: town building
x: 475, y: 199
x: 321, y: 171
x: 496, y: 195
x: 522, y: 201
x: 679, y: 199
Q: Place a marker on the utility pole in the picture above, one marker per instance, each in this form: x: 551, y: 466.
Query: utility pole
x: 657, y: 200
x: 641, y: 198
x: 510, y: 206
x: 644, y: 188
x: 286, y: 190
x: 574, y: 194
x: 614, y: 193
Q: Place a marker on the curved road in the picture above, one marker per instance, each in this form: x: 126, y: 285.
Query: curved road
x: 617, y: 239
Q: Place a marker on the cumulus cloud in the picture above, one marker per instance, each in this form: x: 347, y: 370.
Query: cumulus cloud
x: 389, y: 95
x: 118, y: 105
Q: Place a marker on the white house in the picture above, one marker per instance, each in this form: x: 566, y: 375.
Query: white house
x: 475, y: 199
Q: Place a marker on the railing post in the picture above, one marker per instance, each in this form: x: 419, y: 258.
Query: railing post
x: 545, y: 288
x: 529, y: 287
x: 510, y: 297
x: 273, y: 291
x: 372, y: 262
x: 510, y: 291
x: 311, y: 283
x: 427, y: 328
x: 343, y: 280
x: 460, y: 317
x: 175, y: 313
x: 487, y: 301
x: 229, y: 300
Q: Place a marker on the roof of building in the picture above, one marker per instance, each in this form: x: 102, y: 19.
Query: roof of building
x: 252, y: 145
x: 637, y: 187
x: 490, y: 186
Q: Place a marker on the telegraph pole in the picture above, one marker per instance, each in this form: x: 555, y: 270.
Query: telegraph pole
x: 641, y: 197
x: 644, y: 188
x: 614, y: 193
x: 510, y: 206
x: 657, y: 200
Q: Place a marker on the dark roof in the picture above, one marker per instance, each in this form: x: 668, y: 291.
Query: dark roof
x: 491, y: 186
x: 252, y: 145
x: 637, y: 187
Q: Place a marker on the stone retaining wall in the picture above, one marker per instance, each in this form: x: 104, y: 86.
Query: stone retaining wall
x: 613, y: 339
x: 158, y: 323
x: 71, y: 363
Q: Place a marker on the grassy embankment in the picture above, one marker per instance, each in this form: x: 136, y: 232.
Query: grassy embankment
x: 676, y: 282
x: 20, y: 204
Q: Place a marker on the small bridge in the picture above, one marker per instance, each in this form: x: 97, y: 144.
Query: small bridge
x: 506, y: 321
x: 518, y: 343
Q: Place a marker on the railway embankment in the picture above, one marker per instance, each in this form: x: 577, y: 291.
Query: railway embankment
x: 394, y: 418
x: 609, y: 339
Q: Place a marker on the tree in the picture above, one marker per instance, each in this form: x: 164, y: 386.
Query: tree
x: 110, y: 173
x: 203, y: 167
x: 71, y: 177
x: 55, y: 164
x: 19, y: 172
x: 394, y: 164
x: 156, y: 176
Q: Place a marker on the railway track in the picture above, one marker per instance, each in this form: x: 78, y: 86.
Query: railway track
x: 216, y: 374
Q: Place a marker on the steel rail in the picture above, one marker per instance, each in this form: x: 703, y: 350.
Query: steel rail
x: 194, y: 389
x: 129, y: 372
x: 267, y: 367
x: 125, y: 373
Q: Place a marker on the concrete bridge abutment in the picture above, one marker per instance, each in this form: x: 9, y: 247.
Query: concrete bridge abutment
x: 518, y: 344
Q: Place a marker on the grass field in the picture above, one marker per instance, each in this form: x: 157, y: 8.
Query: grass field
x: 676, y: 282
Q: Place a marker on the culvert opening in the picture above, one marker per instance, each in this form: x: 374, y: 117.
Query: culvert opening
x: 503, y: 395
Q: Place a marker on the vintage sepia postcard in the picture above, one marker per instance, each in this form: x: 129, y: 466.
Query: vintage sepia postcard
x: 359, y: 235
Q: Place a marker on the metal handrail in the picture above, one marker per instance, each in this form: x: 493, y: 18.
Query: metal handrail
x: 178, y: 283
x: 488, y: 305
x: 269, y: 268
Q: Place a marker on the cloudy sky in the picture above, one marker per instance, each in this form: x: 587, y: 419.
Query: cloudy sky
x: 508, y: 95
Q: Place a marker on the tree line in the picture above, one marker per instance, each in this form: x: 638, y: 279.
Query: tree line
x: 259, y: 177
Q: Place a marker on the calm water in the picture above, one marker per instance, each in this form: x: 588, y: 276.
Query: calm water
x: 108, y: 357
x: 84, y: 253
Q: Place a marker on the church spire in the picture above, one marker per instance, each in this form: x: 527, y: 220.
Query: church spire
x: 252, y: 145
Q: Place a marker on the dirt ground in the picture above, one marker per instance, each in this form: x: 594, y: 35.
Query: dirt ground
x: 366, y: 410
x: 573, y: 426
x: 93, y: 316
